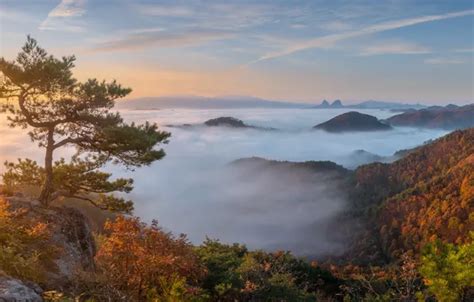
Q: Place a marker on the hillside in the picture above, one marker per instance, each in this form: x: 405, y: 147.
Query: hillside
x: 427, y: 194
x: 449, y: 118
x: 261, y: 164
x: 352, y: 121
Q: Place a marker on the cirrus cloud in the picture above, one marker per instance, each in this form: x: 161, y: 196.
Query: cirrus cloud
x: 144, y: 38
x: 395, y: 48
x: 60, y: 18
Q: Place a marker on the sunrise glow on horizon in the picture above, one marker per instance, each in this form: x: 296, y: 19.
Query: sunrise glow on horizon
x: 299, y: 51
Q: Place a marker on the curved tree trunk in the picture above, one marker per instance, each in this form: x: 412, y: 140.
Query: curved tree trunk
x: 47, y: 189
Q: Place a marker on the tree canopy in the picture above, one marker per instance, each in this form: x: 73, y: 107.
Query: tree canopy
x: 60, y: 111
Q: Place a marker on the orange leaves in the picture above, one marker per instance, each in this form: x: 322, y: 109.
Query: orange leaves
x: 138, y: 258
x: 38, y: 230
x: 24, y: 247
x: 467, y: 188
x: 4, y: 209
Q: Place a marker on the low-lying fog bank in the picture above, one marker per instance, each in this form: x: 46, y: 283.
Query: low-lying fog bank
x: 193, y: 190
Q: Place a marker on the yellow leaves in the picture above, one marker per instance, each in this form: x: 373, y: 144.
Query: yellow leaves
x: 467, y: 188
x: 138, y: 258
x: 24, y: 244
x: 53, y: 296
x: 38, y: 230
x: 4, y: 209
x: 427, y: 282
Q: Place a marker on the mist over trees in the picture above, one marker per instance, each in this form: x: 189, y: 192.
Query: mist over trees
x: 415, y: 213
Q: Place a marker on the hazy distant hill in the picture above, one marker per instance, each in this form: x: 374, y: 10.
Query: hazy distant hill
x: 449, y: 117
x: 368, y: 105
x: 353, y: 121
x: 199, y: 102
x: 385, y: 105
x: 325, y: 167
x: 325, y: 104
x: 223, y: 121
x: 153, y: 103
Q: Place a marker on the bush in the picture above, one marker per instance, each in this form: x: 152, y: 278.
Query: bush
x: 448, y: 269
x: 24, y: 251
x: 235, y: 274
x: 148, y: 263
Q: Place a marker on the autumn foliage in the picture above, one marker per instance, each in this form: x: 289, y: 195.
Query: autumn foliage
x: 145, y: 261
x: 24, y: 249
x: 426, y: 195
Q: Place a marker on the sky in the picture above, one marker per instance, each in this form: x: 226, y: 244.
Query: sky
x: 399, y: 50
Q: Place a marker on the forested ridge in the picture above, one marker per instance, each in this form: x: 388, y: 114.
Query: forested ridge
x: 64, y: 235
x: 428, y: 194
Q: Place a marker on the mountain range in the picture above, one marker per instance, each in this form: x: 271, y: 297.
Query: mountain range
x: 368, y: 105
x: 199, y: 102
x: 449, y: 118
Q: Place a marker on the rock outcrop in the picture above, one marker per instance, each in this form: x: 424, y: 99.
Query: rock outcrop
x: 70, y: 233
x: 14, y: 290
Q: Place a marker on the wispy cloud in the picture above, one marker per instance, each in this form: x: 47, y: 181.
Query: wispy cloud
x: 444, y: 61
x: 165, y: 10
x: 394, y: 48
x: 464, y: 50
x: 59, y: 18
x: 298, y: 26
x: 219, y: 16
x: 331, y: 40
x: 158, y: 37
x: 336, y: 25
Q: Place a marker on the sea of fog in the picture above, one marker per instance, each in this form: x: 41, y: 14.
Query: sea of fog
x: 193, y: 191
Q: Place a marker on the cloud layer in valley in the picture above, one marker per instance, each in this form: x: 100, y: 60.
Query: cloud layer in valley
x: 193, y: 190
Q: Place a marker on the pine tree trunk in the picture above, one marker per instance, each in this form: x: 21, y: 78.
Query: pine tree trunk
x: 47, y: 189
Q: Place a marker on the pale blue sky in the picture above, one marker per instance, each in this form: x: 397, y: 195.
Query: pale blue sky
x: 416, y: 51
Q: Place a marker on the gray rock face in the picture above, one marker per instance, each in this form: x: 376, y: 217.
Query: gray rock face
x: 71, y: 233
x: 14, y: 290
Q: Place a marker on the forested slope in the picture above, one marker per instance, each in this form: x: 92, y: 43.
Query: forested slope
x: 428, y: 194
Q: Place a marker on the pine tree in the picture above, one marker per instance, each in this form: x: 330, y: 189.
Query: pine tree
x: 60, y: 111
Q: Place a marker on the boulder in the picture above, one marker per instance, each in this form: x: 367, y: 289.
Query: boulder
x: 14, y: 290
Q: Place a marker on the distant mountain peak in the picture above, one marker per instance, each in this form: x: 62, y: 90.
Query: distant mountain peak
x: 337, y: 104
